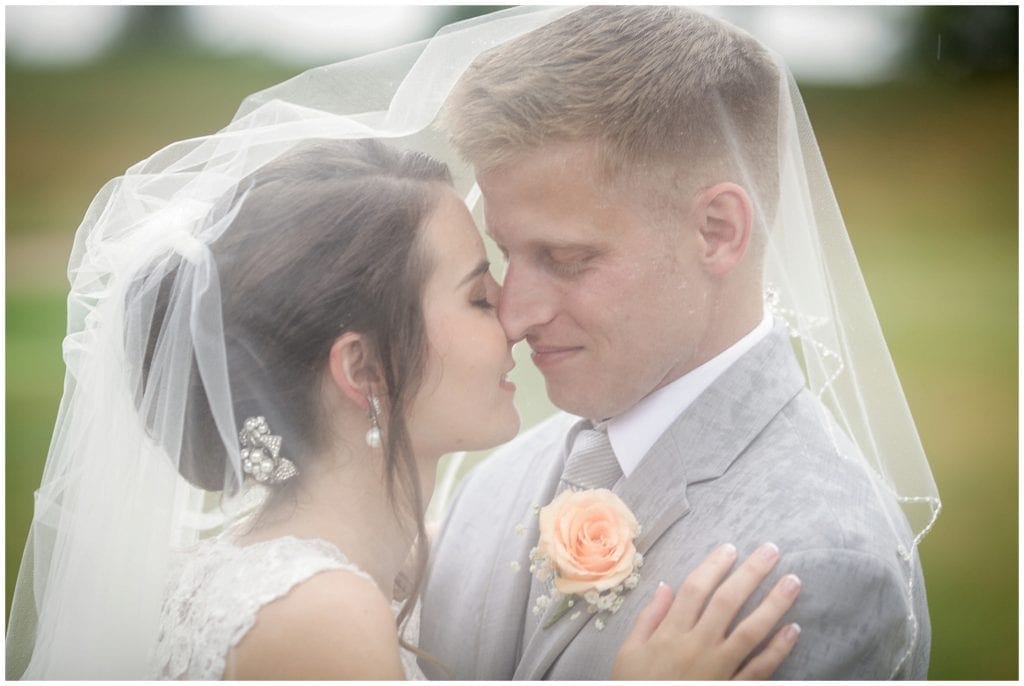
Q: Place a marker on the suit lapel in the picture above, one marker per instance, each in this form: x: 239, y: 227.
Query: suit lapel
x: 699, y: 446
x: 706, y: 439
x: 544, y: 645
x: 527, y: 588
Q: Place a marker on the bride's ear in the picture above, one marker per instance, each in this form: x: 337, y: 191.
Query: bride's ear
x: 353, y: 368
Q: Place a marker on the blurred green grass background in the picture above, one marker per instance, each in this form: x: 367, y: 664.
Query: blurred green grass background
x: 925, y: 172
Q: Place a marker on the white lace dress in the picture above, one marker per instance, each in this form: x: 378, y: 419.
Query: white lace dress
x: 216, y: 590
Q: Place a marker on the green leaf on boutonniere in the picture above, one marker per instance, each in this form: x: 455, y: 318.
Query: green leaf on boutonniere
x: 564, y: 606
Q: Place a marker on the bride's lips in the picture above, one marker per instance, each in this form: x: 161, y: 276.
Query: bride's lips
x: 504, y: 383
x: 547, y: 356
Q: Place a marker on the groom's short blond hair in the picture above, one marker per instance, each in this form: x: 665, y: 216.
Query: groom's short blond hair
x: 649, y: 84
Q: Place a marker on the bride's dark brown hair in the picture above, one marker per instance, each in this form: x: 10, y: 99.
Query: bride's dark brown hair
x: 328, y: 243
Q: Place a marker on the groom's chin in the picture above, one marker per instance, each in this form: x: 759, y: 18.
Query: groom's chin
x: 572, y: 399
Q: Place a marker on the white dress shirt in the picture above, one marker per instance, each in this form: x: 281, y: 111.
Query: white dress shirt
x: 634, y: 431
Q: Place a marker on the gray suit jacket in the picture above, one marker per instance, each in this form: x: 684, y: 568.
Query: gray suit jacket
x: 752, y: 460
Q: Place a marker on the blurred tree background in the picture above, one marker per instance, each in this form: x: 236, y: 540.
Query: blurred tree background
x: 924, y: 164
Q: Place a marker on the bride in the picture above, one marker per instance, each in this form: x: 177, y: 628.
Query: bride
x: 324, y: 335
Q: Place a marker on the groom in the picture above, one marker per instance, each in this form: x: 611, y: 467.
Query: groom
x: 635, y: 274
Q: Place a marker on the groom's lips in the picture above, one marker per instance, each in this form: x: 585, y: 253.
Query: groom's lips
x: 547, y: 356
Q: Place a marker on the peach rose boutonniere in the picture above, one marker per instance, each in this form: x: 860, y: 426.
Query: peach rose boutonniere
x: 586, y: 550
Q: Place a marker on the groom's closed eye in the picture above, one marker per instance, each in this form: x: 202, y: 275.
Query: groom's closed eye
x: 568, y: 263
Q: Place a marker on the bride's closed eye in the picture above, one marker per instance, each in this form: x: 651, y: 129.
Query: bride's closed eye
x: 483, y: 304
x: 485, y: 294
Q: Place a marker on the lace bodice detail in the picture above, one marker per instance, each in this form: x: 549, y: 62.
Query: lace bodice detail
x: 214, y: 595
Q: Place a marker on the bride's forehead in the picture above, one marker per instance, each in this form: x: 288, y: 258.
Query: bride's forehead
x: 451, y: 232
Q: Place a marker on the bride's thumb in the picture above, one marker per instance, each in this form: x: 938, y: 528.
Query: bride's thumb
x: 650, y: 618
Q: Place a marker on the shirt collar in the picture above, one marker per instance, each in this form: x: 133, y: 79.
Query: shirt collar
x: 633, y: 432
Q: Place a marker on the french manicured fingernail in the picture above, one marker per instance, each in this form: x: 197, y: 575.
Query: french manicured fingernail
x: 768, y: 552
x: 790, y: 584
x: 791, y: 632
x: 727, y: 551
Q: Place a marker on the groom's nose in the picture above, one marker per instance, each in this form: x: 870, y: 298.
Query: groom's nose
x: 525, y: 302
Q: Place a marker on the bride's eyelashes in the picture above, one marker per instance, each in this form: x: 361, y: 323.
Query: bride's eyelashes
x: 485, y: 295
x: 483, y: 304
x: 484, y: 299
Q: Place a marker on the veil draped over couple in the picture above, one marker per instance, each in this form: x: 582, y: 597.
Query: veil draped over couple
x: 276, y: 331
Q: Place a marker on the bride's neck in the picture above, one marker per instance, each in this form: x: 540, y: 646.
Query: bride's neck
x: 343, y: 500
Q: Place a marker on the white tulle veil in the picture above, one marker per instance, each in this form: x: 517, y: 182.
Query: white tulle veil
x: 113, y: 506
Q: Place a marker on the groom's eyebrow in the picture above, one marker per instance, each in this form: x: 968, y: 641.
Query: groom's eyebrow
x: 481, y: 268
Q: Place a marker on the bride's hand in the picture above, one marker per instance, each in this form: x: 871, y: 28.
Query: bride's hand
x: 675, y: 639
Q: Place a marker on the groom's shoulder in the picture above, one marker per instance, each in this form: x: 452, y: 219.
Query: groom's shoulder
x: 808, y: 461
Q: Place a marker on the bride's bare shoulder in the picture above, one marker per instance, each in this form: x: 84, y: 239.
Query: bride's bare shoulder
x: 335, y: 625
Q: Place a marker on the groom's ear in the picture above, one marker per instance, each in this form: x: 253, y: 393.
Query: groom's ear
x: 725, y: 218
x: 353, y: 368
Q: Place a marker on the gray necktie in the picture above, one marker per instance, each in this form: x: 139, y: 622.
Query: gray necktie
x: 592, y: 462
